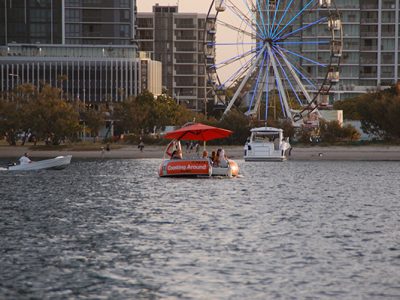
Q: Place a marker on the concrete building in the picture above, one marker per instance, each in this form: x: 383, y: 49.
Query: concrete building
x: 90, y: 73
x: 177, y: 40
x: 85, y: 47
x: 370, y: 58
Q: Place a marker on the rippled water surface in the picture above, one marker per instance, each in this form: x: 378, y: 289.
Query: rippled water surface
x: 113, y: 229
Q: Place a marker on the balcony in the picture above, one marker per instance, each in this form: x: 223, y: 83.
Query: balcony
x: 369, y: 33
x: 368, y: 75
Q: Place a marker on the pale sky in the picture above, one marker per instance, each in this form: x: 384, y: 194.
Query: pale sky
x: 199, y: 6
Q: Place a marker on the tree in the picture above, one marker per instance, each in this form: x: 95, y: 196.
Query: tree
x: 10, y: 120
x: 131, y: 114
x: 94, y: 119
x: 332, y: 132
x: 144, y: 112
x: 49, y: 116
x: 349, y: 107
x: 378, y: 112
x: 240, y: 125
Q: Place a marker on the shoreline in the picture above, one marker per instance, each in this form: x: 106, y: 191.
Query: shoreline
x: 339, y: 153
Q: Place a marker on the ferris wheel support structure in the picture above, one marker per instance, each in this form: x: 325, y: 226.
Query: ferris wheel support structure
x: 288, y: 46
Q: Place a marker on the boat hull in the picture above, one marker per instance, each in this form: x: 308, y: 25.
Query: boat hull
x: 266, y: 158
x: 231, y: 171
x: 57, y: 163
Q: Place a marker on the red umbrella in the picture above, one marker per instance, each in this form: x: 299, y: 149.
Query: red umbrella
x: 198, y: 132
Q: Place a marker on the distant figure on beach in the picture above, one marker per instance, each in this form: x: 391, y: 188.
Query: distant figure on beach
x: 102, y: 152
x: 141, y: 145
x: 108, y: 147
x: 24, y: 159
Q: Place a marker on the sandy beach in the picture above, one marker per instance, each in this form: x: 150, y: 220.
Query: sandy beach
x: 340, y: 153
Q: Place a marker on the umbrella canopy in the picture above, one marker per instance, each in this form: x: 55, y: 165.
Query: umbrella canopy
x: 198, y: 132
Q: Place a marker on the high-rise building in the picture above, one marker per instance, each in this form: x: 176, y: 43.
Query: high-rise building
x: 30, y: 22
x: 370, y: 50
x: 371, y: 45
x: 177, y: 40
x: 100, y: 22
x: 86, y: 47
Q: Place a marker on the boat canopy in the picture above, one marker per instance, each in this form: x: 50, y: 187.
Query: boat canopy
x: 266, y: 130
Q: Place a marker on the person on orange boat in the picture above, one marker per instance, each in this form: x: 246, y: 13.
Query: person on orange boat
x: 177, y: 154
x: 222, y: 160
x: 205, y: 156
x: 213, y: 157
x: 172, y: 147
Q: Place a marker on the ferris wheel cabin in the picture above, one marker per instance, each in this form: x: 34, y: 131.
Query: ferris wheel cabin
x: 220, y: 5
x: 325, y: 3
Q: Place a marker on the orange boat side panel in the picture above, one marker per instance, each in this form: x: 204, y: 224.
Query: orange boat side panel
x: 184, y: 167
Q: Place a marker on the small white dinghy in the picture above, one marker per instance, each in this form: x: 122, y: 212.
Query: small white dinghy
x: 57, y: 163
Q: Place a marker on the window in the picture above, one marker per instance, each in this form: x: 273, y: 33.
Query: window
x: 123, y: 3
x: 73, y: 15
x: 72, y: 30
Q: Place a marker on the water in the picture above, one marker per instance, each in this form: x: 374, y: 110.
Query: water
x: 113, y: 229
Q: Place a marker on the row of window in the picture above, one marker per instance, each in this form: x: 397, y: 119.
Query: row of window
x: 93, y: 80
x: 98, y: 3
x: 97, y: 30
x: 102, y: 15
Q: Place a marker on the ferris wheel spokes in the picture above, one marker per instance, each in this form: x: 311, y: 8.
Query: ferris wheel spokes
x: 279, y: 84
x: 257, y: 93
x: 244, y: 81
x: 277, y: 38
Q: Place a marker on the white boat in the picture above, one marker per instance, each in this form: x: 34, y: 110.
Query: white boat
x: 266, y: 144
x: 57, y: 163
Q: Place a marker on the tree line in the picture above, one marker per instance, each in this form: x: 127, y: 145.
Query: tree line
x: 49, y: 117
x: 378, y: 112
x: 45, y: 114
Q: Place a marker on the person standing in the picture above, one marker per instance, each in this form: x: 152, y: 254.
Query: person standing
x: 141, y: 145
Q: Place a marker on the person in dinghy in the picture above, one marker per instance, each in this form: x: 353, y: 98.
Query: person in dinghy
x: 24, y: 159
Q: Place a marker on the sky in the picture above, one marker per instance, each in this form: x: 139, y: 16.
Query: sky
x: 200, y: 6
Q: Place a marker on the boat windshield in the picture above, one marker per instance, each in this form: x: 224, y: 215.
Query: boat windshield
x: 264, y: 137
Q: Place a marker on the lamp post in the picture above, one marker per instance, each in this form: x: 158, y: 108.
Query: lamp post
x: 205, y: 95
x: 84, y: 109
x: 13, y: 85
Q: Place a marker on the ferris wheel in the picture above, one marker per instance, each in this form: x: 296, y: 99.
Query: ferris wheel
x: 286, y: 49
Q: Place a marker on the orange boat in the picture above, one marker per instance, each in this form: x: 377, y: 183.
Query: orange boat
x: 174, y: 165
